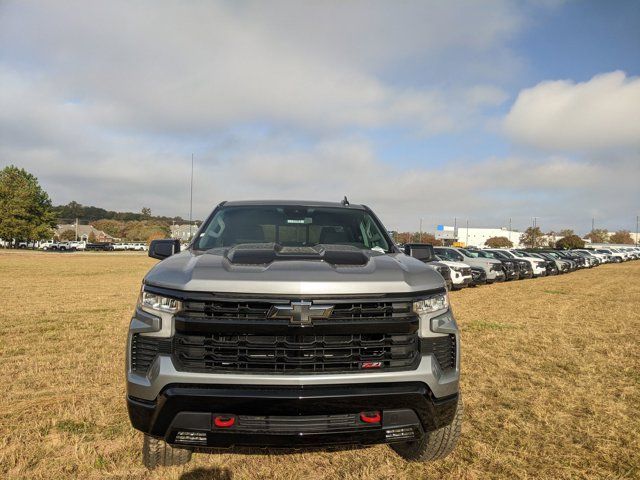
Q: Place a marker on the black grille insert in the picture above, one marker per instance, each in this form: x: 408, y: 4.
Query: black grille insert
x: 443, y: 348
x: 303, y: 423
x: 144, y: 350
x: 259, y: 310
x: 295, y: 353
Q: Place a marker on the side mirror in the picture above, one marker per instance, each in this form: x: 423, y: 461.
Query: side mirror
x: 422, y: 251
x: 162, y: 249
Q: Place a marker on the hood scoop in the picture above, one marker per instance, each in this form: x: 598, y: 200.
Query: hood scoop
x: 265, y: 253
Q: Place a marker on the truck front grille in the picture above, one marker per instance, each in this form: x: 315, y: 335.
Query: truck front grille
x: 295, y: 353
x: 259, y: 310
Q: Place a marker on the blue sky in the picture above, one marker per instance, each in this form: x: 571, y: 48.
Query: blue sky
x: 422, y: 109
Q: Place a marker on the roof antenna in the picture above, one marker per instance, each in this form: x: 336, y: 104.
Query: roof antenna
x: 344, y: 201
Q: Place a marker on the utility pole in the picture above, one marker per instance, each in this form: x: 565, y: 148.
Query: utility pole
x: 421, y: 230
x: 467, y: 241
x: 533, y: 232
x: 191, y: 200
x: 76, y: 229
x: 637, y: 230
x: 509, y: 228
x: 455, y: 228
x: 593, y: 223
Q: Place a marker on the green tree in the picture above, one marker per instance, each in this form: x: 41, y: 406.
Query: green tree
x: 569, y: 242
x: 566, y: 232
x: 498, y: 242
x: 622, y: 236
x: 532, y: 237
x: 68, y: 235
x: 25, y: 208
x: 92, y: 237
x: 146, y: 212
x: 598, y: 235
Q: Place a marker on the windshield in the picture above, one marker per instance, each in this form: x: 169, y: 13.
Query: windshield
x: 449, y: 254
x: 519, y: 254
x: 469, y: 253
x: 291, y: 226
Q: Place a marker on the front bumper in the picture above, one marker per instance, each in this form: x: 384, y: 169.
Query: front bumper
x: 287, y: 417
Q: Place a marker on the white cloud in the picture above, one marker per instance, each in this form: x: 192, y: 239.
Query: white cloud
x: 192, y: 67
x: 602, y: 113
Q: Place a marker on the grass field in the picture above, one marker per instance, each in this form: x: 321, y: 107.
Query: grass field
x: 551, y: 380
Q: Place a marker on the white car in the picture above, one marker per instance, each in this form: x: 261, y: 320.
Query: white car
x: 119, y: 246
x: 537, y: 265
x: 460, y: 273
x: 602, y: 257
x: 78, y: 245
x: 140, y: 247
x: 49, y: 245
x: 616, y: 256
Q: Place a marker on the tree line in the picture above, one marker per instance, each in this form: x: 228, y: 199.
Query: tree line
x: 26, y: 214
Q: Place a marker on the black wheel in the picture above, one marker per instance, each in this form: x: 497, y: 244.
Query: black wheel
x: 433, y: 445
x: 157, y: 453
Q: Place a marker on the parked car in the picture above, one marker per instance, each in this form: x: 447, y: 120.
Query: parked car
x: 525, y: 266
x: 550, y: 265
x: 137, y: 246
x: 292, y: 324
x: 492, y: 268
x: 536, y: 265
x: 580, y: 261
x: 104, y: 246
x: 478, y: 276
x: 424, y: 253
x: 78, y: 245
x: 460, y: 273
x: 119, y: 246
x: 563, y: 266
x: 615, y: 257
x: 510, y: 268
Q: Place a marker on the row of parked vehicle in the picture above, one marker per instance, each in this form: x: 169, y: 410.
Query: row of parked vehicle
x: 463, y: 267
x: 82, y: 245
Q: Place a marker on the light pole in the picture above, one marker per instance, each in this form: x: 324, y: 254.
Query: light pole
x: 467, y: 241
x: 191, y: 200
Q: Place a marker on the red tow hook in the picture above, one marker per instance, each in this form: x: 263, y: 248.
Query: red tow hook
x: 224, y: 421
x: 370, y: 417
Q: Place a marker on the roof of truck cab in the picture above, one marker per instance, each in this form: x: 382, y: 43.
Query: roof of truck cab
x: 303, y: 203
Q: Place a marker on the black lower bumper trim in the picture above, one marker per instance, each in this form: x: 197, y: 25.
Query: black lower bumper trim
x: 190, y: 408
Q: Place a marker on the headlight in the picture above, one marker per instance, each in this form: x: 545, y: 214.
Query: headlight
x: 431, y: 304
x: 159, y: 303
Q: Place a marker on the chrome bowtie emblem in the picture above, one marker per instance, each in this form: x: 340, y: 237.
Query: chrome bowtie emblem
x: 300, y: 313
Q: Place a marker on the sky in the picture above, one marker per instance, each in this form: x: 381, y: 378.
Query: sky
x: 479, y: 111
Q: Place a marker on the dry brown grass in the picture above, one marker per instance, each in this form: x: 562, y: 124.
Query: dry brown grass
x: 551, y: 380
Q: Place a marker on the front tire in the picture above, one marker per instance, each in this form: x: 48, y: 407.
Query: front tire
x: 158, y: 453
x: 433, y: 445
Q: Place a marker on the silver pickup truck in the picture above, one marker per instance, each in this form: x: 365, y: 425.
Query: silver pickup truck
x: 292, y: 324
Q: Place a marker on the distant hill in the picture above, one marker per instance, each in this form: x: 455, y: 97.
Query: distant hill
x: 87, y: 214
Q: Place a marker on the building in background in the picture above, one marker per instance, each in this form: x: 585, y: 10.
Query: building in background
x: 473, y: 236
x: 84, y: 232
x: 183, y: 232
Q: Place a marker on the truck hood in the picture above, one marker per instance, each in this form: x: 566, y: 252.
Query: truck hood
x: 212, y: 271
